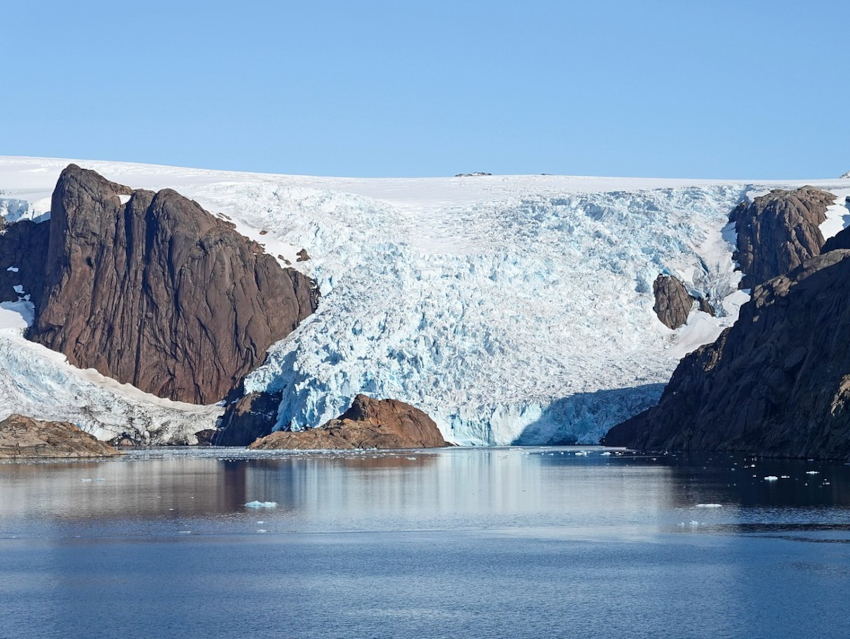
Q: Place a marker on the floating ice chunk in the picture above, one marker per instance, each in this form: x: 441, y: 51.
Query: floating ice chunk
x: 261, y: 504
x: 812, y: 472
x: 86, y: 480
x: 771, y: 478
x: 13, y: 269
x: 261, y: 530
x: 709, y: 506
x: 606, y: 454
x: 581, y: 453
x: 19, y: 289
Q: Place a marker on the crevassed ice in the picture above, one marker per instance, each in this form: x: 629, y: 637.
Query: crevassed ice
x: 525, y: 319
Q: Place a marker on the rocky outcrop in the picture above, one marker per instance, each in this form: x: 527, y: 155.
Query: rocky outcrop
x: 369, y: 423
x: 250, y: 417
x: 673, y: 304
x: 778, y: 231
x: 776, y: 383
x: 23, y: 246
x: 25, y: 438
x: 150, y: 289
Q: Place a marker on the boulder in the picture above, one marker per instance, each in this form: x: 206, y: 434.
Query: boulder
x: 25, y: 438
x: 673, y: 304
x: 369, y: 423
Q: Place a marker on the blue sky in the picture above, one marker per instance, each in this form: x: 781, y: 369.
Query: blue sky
x: 677, y: 89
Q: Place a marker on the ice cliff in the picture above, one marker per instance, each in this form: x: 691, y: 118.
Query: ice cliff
x: 510, y: 309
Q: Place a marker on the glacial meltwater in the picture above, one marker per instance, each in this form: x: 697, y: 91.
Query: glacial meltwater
x: 461, y: 543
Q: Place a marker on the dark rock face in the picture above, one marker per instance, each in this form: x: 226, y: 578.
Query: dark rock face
x: 778, y: 231
x: 776, y: 383
x: 369, y: 423
x: 25, y: 438
x: 673, y: 304
x: 251, y: 417
x: 157, y: 292
x: 23, y: 246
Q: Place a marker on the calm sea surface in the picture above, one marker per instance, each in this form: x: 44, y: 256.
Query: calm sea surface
x: 453, y: 543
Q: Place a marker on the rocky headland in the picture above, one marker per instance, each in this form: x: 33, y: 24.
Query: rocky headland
x: 369, y: 423
x: 776, y: 383
x: 25, y: 438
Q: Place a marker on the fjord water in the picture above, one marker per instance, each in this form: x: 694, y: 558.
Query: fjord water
x: 451, y: 543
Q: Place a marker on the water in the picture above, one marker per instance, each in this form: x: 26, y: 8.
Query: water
x: 451, y: 543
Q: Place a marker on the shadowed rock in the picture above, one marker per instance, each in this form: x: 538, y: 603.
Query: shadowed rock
x: 25, y: 438
x: 778, y: 231
x: 776, y: 383
x: 23, y: 246
x: 369, y: 423
x: 251, y: 417
x: 152, y: 290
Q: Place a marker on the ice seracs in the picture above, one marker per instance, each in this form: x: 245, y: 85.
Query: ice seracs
x: 509, y: 308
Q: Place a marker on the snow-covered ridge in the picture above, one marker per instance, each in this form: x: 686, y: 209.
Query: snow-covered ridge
x: 510, y: 308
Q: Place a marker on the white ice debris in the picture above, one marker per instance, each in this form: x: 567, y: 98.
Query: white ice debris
x: 261, y: 504
x: 771, y: 478
x: 509, y: 308
x: 709, y: 506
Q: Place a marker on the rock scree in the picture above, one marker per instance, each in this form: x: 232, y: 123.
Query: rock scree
x: 25, y: 438
x: 369, y: 423
x: 776, y: 383
x: 152, y: 290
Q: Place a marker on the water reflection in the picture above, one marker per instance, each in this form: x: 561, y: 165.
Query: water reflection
x: 504, y: 488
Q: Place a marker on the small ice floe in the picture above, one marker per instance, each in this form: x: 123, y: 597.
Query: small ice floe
x: 813, y: 472
x: 709, y: 506
x: 581, y: 453
x: 261, y: 504
x: 184, y: 532
x: 100, y: 479
x: 12, y: 269
x: 606, y: 454
x: 411, y: 458
x: 86, y: 480
x: 785, y: 477
x: 261, y: 530
x: 260, y: 523
x: 693, y: 522
x: 771, y: 478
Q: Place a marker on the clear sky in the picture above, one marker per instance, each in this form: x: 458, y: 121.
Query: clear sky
x: 685, y: 88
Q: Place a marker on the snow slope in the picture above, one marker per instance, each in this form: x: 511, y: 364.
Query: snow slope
x: 510, y: 308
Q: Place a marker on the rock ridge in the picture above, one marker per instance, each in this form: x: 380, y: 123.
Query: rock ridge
x: 152, y: 290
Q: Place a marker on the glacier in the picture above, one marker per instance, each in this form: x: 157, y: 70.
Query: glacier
x: 512, y: 309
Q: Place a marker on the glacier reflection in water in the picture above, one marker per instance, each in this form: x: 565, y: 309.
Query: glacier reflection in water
x: 521, y: 542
